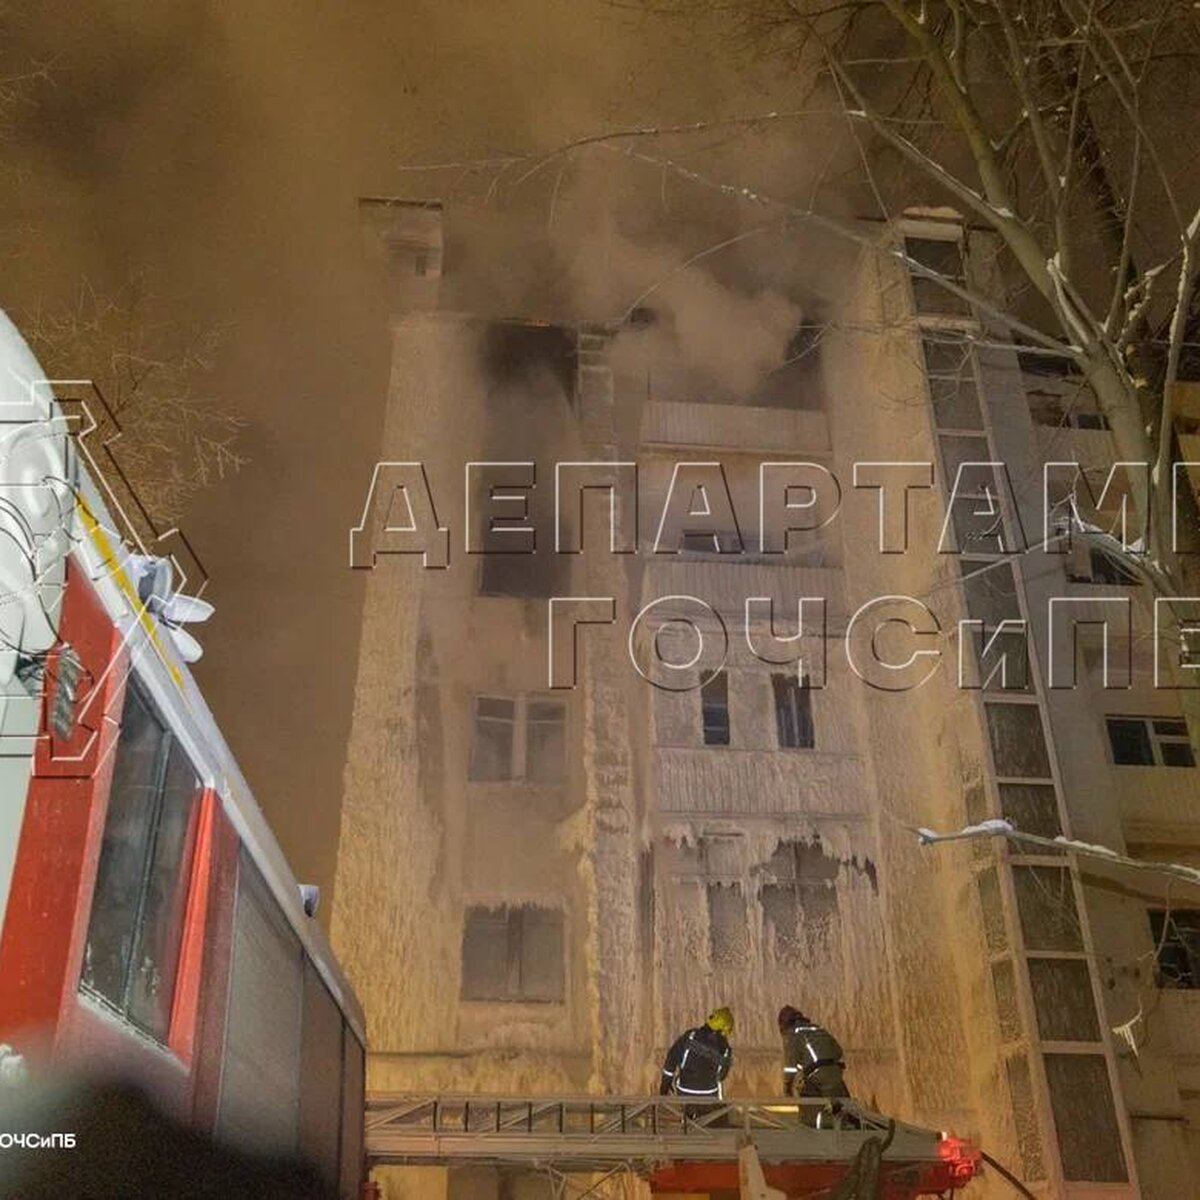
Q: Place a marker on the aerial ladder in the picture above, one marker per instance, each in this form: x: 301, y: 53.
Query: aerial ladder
x: 762, y: 1149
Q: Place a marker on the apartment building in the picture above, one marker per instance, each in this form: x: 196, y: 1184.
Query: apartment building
x: 539, y: 887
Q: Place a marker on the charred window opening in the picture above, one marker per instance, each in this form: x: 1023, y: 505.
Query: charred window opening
x: 1176, y: 937
x: 516, y: 556
x: 525, y: 357
x: 513, y: 954
x: 796, y: 382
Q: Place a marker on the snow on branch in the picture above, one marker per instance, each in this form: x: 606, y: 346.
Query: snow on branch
x: 998, y: 827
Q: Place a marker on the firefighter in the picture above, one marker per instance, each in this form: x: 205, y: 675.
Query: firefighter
x: 812, y: 1056
x: 696, y: 1065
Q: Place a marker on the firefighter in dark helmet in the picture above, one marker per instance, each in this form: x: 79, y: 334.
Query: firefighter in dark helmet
x: 812, y: 1058
x: 696, y: 1065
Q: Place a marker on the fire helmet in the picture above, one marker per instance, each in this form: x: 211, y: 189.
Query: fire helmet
x: 787, y: 1016
x: 720, y: 1019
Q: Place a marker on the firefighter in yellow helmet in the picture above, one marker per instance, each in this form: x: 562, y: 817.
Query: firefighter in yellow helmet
x: 699, y: 1060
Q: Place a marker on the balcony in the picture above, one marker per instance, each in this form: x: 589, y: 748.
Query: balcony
x: 759, y: 783
x: 725, y: 584
x: 740, y: 427
x: 1160, y: 805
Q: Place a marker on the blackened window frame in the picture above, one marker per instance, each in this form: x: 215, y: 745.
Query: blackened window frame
x: 1176, y: 935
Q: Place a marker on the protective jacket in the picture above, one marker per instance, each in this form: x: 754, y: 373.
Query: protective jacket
x: 697, y: 1063
x: 812, y: 1056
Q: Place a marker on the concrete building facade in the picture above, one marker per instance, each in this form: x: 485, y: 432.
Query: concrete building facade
x: 539, y: 887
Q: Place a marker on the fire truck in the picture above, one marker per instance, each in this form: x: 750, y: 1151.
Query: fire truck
x: 150, y: 927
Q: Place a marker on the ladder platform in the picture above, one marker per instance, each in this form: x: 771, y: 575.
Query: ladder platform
x: 672, y: 1143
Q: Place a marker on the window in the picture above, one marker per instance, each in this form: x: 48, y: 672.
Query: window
x: 1150, y: 741
x: 1177, y: 947
x: 539, y: 575
x: 721, y: 541
x: 513, y: 954
x: 1018, y: 744
x: 799, y: 899
x: 1059, y: 411
x: 1063, y: 1000
x: 944, y: 257
x: 951, y: 376
x: 135, y: 931
x: 1046, y: 907
x: 1085, y: 1119
x: 1102, y: 568
x: 991, y: 594
x: 793, y: 712
x: 728, y: 929
x: 714, y: 708
x: 521, y: 738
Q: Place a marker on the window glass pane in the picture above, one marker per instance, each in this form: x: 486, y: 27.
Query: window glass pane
x: 1176, y: 754
x: 1089, y: 1140
x: 951, y: 379
x: 485, y: 974
x: 128, y: 828
x: 1002, y: 659
x: 991, y: 592
x: 1130, y: 742
x: 978, y: 523
x: 492, y: 741
x: 1171, y: 728
x: 156, y: 961
x: 1046, y: 903
x: 1018, y: 746
x: 945, y: 257
x: 545, y: 741
x: 1063, y: 1001
x: 957, y: 451
x: 793, y: 712
x: 714, y: 706
x: 541, y: 951
x: 1031, y: 807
